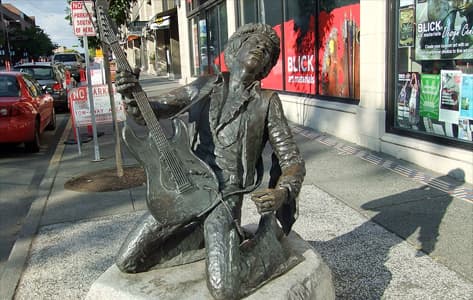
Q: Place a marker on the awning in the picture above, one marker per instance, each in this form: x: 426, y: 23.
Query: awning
x: 161, y: 23
x: 161, y: 20
x: 132, y: 37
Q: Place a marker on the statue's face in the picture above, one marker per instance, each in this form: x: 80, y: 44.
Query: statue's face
x: 250, y: 59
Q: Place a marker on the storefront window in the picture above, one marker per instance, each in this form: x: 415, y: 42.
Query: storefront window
x: 217, y: 37
x: 248, y: 11
x: 300, y: 46
x: 195, y: 4
x: 271, y: 12
x: 339, y: 48
x: 168, y: 4
x: 209, y: 34
x: 434, y: 81
x: 194, y: 45
x: 192, y: 4
x: 319, y: 42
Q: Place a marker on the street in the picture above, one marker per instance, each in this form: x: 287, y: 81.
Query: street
x: 20, y: 175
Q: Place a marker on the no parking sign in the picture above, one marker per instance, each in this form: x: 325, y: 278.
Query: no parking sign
x: 83, y: 18
x: 102, y: 108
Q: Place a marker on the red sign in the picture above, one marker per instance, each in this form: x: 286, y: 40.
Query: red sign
x: 102, y: 108
x: 82, y: 18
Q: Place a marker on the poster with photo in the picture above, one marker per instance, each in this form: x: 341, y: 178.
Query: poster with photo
x: 466, y: 103
x: 339, y: 48
x: 408, y: 99
x: 274, y: 80
x: 443, y: 30
x: 406, y: 27
x: 450, y: 87
x: 465, y: 128
x: 430, y: 96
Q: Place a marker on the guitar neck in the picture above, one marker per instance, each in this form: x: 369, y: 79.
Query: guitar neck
x: 156, y: 132
x: 141, y: 99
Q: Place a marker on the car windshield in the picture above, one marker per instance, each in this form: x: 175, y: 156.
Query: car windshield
x: 65, y: 57
x: 38, y: 73
x: 9, y: 86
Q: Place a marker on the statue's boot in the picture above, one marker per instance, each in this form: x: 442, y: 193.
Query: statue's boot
x: 151, y: 243
x: 263, y: 257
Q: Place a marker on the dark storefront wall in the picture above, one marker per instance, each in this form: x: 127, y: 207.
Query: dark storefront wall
x: 431, y: 92
x: 166, y: 31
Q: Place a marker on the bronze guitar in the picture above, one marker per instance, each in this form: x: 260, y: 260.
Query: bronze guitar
x: 180, y: 186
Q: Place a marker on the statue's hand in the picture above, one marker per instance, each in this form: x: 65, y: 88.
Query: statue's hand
x: 126, y: 81
x: 268, y: 200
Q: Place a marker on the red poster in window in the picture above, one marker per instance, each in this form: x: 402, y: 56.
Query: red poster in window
x: 300, y: 57
x: 339, y: 52
x: 274, y: 79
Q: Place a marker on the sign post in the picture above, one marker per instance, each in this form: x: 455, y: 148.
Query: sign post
x: 83, y: 26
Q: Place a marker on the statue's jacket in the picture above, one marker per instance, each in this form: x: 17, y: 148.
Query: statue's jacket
x: 230, y: 135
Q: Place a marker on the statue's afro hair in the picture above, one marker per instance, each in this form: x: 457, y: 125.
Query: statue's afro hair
x: 243, y: 33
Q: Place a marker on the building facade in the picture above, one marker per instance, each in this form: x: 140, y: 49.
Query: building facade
x: 12, y: 20
x: 151, y: 38
x: 392, y: 76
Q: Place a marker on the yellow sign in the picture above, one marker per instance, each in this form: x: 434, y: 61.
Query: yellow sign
x: 98, y: 52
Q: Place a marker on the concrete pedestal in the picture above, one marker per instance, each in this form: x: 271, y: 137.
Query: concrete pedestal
x: 310, y: 279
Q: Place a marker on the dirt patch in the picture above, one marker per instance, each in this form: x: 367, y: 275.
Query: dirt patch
x: 107, y: 180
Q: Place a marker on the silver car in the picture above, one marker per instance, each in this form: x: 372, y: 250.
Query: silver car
x: 73, y: 62
x: 51, y: 76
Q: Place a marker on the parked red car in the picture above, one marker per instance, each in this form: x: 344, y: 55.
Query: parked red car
x: 26, y: 110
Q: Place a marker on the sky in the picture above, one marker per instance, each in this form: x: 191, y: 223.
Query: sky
x: 49, y: 16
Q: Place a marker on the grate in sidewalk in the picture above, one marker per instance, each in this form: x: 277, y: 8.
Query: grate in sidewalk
x: 345, y: 149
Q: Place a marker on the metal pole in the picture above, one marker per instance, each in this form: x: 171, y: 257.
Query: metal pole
x: 78, y: 139
x: 118, y: 152
x: 5, y: 26
x: 91, y: 101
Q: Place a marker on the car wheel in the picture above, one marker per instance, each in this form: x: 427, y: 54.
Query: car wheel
x: 52, y: 123
x: 34, y: 145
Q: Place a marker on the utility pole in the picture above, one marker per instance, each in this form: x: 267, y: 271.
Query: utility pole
x: 5, y: 27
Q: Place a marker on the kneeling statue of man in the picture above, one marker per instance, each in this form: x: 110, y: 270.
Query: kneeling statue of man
x: 231, y: 120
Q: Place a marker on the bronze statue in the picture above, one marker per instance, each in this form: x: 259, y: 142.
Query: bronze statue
x: 230, y: 121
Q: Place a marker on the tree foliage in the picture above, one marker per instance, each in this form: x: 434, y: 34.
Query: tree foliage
x: 23, y: 47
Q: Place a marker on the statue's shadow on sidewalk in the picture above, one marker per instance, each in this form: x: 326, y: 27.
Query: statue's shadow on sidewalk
x: 358, y: 258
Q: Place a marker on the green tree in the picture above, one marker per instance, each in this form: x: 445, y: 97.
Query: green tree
x: 31, y: 42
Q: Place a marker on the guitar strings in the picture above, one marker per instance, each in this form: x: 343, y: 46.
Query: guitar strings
x: 182, y: 180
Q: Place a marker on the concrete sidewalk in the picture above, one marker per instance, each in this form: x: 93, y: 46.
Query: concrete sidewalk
x: 367, y: 214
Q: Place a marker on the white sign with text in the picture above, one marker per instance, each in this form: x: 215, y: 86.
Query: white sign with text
x: 82, y: 18
x: 103, y: 111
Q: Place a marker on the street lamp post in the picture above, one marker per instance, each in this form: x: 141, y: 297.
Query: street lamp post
x: 5, y: 32
x: 6, y: 24
x: 6, y: 29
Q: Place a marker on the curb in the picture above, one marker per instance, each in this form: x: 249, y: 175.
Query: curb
x: 18, y: 256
